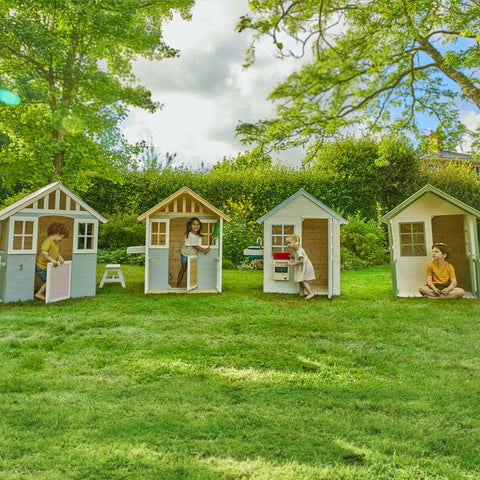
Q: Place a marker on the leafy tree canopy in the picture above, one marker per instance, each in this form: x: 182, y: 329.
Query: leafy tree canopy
x: 70, y: 61
x: 375, y: 64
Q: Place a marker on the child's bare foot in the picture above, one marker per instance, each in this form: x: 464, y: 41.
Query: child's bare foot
x: 308, y: 297
x: 39, y: 296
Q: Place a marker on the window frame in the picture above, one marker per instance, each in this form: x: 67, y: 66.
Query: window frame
x: 207, y: 235
x: 283, y: 235
x: 412, y: 243
x: 11, y: 230
x: 76, y: 235
x: 167, y: 232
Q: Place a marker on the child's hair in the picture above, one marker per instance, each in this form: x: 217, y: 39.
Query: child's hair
x: 294, y: 239
x: 442, y: 247
x: 189, y: 225
x: 57, y: 228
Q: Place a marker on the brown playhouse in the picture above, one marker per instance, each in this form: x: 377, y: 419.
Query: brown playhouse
x: 165, y: 235
x: 427, y: 217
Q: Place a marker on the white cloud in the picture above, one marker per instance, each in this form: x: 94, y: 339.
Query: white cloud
x: 205, y: 91
x: 472, y: 121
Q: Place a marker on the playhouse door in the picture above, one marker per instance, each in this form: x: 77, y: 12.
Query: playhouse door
x: 449, y: 229
x: 58, y: 282
x: 192, y: 272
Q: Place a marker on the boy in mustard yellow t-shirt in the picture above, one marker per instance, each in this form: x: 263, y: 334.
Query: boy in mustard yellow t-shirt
x: 441, y: 280
x: 49, y: 253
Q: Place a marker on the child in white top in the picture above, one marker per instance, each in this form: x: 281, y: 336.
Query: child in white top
x: 192, y: 245
x: 303, y: 268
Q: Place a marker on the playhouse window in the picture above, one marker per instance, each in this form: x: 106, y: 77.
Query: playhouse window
x: 158, y: 236
x: 207, y: 230
x: 85, y: 236
x: 279, y: 236
x: 23, y: 235
x: 412, y: 239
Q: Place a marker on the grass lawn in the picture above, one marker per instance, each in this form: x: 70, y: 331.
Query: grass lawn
x: 241, y: 385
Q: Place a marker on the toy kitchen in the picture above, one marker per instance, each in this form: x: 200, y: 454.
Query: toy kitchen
x: 280, y: 269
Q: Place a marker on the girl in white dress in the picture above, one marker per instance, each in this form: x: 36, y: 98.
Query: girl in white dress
x: 302, y: 266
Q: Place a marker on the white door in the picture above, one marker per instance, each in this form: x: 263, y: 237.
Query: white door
x: 58, y: 282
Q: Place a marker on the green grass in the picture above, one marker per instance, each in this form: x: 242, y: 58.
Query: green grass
x: 241, y: 385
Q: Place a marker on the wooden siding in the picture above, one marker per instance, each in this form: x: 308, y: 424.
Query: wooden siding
x: 3, y: 235
x: 449, y: 229
x: 177, y: 239
x: 315, y: 244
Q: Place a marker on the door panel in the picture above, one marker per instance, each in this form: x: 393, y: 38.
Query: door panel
x: 192, y: 272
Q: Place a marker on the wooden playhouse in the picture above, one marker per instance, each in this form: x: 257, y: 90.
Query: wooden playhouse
x: 319, y: 230
x: 23, y: 227
x: 427, y: 217
x: 165, y: 234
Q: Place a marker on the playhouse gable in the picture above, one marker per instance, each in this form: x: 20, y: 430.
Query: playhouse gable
x: 186, y: 203
x: 432, y: 200
x: 54, y: 198
x: 303, y: 204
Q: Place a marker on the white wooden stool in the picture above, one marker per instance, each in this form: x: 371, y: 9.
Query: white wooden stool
x: 113, y: 273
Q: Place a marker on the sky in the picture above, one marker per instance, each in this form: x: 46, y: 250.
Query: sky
x: 205, y: 92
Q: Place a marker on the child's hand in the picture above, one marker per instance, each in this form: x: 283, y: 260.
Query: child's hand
x: 55, y: 263
x: 290, y: 264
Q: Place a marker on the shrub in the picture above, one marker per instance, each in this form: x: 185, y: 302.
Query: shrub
x: 120, y: 255
x: 363, y: 244
x: 240, y: 232
x: 121, y: 230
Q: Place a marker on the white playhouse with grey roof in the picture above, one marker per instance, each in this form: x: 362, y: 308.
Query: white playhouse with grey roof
x: 431, y: 216
x: 319, y: 229
x: 23, y: 228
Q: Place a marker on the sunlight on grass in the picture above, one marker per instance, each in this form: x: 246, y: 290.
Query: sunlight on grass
x: 319, y: 373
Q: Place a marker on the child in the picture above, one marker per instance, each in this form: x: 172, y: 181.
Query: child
x: 303, y: 268
x: 441, y: 280
x: 193, y: 242
x: 49, y: 253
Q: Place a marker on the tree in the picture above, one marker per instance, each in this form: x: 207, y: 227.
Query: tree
x: 376, y: 63
x: 71, y: 63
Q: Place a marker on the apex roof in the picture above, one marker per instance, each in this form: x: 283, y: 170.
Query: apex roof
x: 29, y: 200
x: 429, y: 189
x: 307, y: 195
x: 184, y: 202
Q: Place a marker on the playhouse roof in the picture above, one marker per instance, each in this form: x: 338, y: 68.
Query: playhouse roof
x: 29, y: 200
x: 176, y: 204
x: 429, y: 189
x: 304, y: 193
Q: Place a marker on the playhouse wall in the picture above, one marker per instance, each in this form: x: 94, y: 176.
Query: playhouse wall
x: 410, y: 270
x: 84, y: 274
x: 19, y: 278
x: 158, y: 268
x: 207, y: 270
